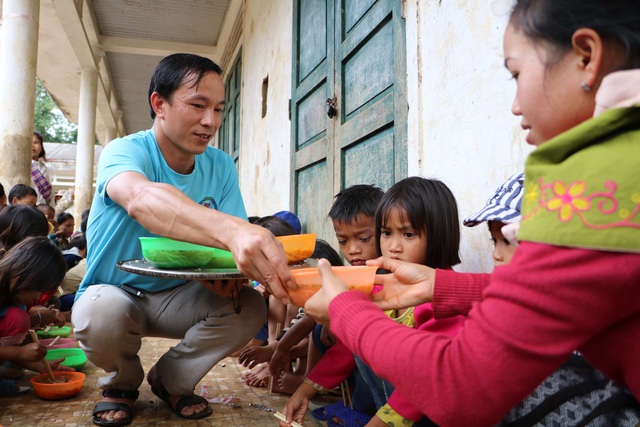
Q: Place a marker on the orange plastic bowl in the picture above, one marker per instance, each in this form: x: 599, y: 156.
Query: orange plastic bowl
x: 45, y: 390
x: 356, y: 278
x: 298, y: 247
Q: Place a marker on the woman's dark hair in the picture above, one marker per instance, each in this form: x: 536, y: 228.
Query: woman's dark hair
x: 279, y: 227
x: 432, y: 210
x: 555, y: 21
x: 20, y: 191
x: 324, y: 250
x: 36, y: 262
x: 2, y: 190
x: 62, y: 217
x: 42, y: 154
x: 175, y: 70
x: 17, y: 222
x: 360, y: 199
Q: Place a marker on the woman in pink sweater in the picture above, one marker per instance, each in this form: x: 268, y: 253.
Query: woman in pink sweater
x: 573, y: 282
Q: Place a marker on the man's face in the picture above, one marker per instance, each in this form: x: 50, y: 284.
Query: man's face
x: 357, y: 239
x: 186, y: 123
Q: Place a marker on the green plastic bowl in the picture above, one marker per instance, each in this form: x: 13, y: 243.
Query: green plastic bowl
x: 73, y: 357
x: 163, y: 252
x: 221, y: 259
x: 55, y: 331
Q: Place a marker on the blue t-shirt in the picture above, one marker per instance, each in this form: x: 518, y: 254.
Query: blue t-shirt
x: 112, y: 235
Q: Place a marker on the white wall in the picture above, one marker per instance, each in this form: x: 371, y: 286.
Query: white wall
x: 265, y: 142
x: 461, y: 129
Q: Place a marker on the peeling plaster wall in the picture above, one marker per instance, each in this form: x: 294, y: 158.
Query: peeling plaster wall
x: 461, y: 129
x: 265, y: 142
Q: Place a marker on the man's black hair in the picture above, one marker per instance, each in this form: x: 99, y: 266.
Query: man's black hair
x: 176, y: 70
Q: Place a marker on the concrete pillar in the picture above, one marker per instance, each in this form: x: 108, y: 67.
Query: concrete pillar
x: 86, y: 142
x: 110, y: 134
x: 18, y: 59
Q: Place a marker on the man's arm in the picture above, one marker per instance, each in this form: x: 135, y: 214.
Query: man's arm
x: 166, y: 211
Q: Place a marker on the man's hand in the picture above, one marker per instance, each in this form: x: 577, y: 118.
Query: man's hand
x: 260, y: 256
x: 408, y: 285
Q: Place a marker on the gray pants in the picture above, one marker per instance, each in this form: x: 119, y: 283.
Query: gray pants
x: 110, y: 323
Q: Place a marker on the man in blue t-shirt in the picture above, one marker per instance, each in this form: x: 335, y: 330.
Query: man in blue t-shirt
x: 167, y: 181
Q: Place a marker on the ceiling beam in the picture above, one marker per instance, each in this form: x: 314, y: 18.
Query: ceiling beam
x: 88, y: 56
x: 155, y: 47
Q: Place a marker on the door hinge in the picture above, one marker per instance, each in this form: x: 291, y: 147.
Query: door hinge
x: 403, y: 9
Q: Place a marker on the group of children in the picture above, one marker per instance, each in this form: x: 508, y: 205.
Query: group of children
x: 37, y: 253
x: 416, y: 220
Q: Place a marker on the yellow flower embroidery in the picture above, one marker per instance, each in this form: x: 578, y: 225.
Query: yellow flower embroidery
x: 568, y: 200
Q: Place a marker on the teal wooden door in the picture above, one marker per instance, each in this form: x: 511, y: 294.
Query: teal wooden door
x: 353, y: 51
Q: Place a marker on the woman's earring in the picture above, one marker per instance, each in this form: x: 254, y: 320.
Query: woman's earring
x: 585, y: 87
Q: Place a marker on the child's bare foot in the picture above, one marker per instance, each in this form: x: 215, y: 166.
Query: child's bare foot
x: 254, y: 355
x: 287, y: 383
x: 258, y: 376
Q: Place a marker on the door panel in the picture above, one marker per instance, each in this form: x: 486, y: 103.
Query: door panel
x: 312, y: 35
x: 311, y: 116
x: 361, y: 160
x: 369, y: 70
x: 313, y: 179
x: 362, y: 65
x: 354, y: 10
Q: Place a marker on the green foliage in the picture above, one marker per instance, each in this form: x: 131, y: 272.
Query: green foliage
x: 50, y: 121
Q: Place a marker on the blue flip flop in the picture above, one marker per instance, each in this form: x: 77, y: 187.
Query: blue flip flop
x: 338, y: 415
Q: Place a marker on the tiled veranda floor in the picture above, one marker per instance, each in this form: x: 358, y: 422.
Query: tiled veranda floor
x: 223, y: 380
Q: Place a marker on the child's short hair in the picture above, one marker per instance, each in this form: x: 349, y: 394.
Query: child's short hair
x: 431, y: 209
x: 78, y: 241
x: 44, y: 208
x: 17, y: 222
x: 21, y: 191
x: 504, y: 205
x: 62, y: 217
x: 277, y: 226
x: 324, y: 250
x: 360, y: 199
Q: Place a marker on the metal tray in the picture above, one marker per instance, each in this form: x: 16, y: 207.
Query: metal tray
x: 145, y: 268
